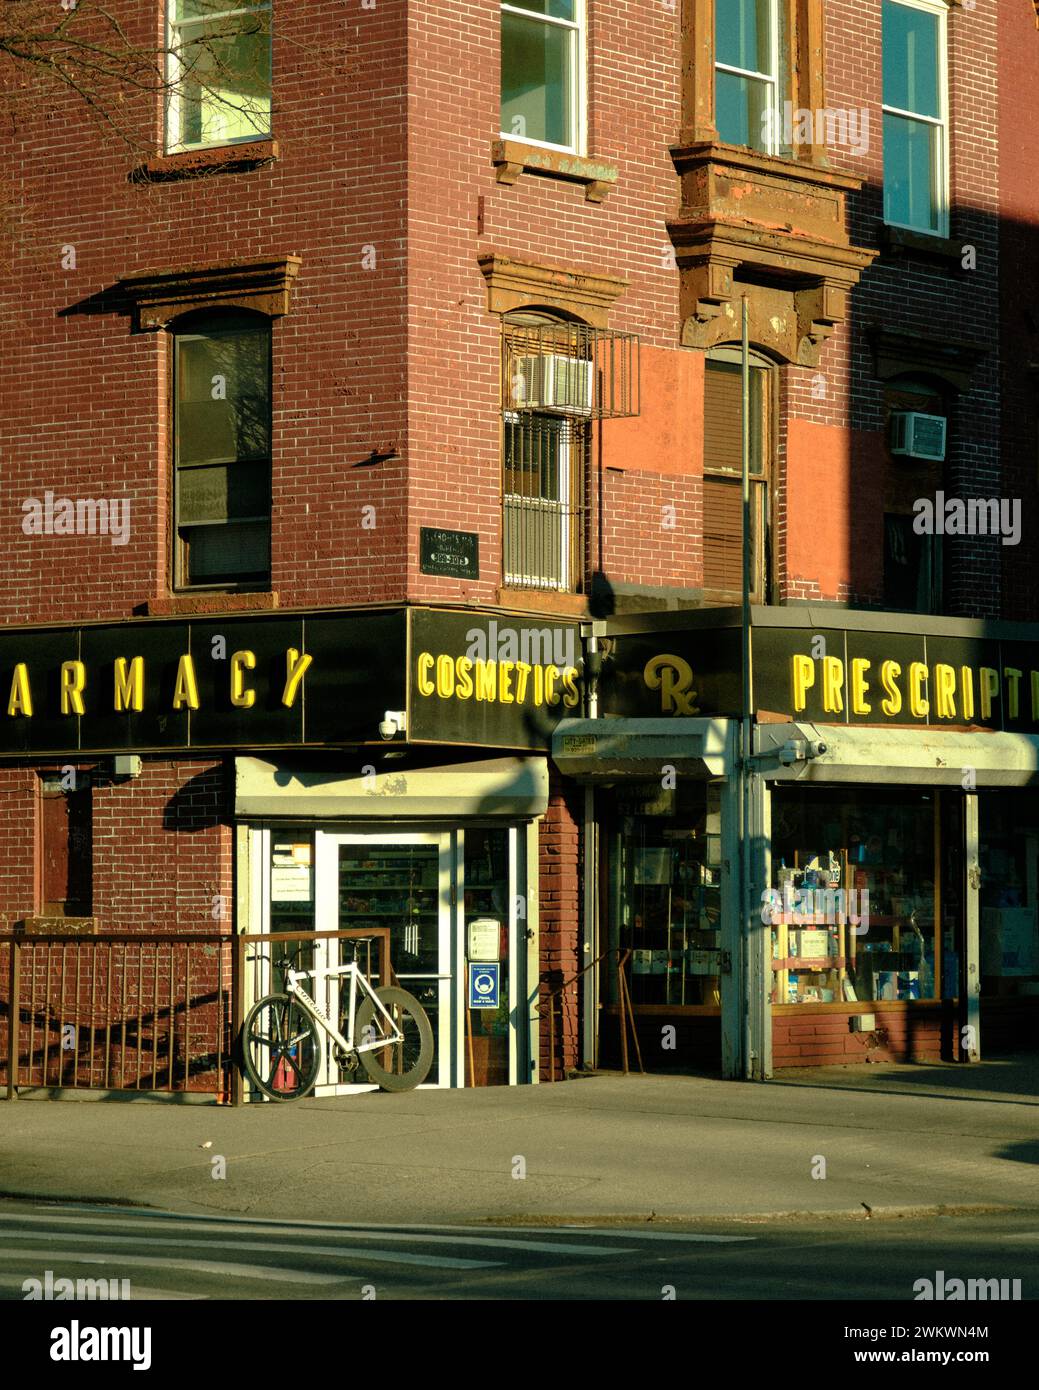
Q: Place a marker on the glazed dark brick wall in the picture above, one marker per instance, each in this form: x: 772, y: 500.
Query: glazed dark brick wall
x: 911, y: 294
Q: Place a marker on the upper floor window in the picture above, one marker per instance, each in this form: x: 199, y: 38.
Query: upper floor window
x: 723, y: 475
x: 219, y: 72
x: 913, y: 570
x: 916, y: 143
x: 747, y: 86
x: 549, y: 377
x: 542, y: 72
x: 222, y: 449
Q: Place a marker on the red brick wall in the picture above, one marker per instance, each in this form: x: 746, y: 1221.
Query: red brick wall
x: 84, y: 402
x: 559, y: 923
x: 162, y: 848
x: 454, y: 359
x: 808, y: 1039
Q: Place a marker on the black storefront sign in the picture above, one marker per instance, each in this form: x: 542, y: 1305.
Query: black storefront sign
x: 452, y: 553
x: 495, y: 682
x: 897, y: 679
x: 828, y: 676
x: 264, y: 681
x: 684, y: 672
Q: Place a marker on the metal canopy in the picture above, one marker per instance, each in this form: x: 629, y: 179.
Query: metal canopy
x: 515, y: 787
x: 604, y: 749
x: 917, y: 757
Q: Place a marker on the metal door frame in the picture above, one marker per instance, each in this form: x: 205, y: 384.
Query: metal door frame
x: 326, y: 918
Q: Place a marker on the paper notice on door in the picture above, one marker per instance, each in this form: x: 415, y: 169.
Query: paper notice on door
x: 290, y: 874
x: 484, y: 939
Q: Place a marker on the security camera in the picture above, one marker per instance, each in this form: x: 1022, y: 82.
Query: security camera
x: 798, y: 750
x: 392, y: 724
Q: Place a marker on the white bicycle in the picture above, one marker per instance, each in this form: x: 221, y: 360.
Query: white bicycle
x: 389, y: 1034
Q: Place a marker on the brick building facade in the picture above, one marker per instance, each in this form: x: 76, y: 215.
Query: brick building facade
x: 385, y: 226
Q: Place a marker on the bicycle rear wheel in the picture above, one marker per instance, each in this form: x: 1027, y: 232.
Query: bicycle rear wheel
x: 281, y: 1048
x: 397, y: 1066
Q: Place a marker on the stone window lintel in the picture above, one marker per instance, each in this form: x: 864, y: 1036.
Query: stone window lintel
x: 263, y: 285
x: 517, y: 283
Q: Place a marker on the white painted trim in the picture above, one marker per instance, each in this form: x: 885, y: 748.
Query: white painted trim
x: 578, y: 78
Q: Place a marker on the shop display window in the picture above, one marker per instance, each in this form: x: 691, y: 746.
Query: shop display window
x: 852, y: 908
x: 665, y: 894
x: 1008, y: 823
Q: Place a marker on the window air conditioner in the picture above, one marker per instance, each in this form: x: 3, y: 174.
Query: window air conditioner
x: 917, y: 436
x: 554, y: 383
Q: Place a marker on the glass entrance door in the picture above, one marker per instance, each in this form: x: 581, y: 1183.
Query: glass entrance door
x: 403, y: 882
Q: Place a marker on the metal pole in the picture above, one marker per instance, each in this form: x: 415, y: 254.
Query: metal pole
x: 747, y: 974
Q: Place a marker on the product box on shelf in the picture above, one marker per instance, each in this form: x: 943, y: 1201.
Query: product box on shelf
x: 810, y: 943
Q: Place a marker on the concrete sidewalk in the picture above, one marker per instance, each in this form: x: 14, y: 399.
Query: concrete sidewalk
x: 894, y: 1138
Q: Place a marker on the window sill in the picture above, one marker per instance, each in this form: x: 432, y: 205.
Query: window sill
x: 543, y: 601
x: 512, y: 158
x: 44, y: 925
x: 190, y: 164
x: 900, y: 241
x: 208, y: 602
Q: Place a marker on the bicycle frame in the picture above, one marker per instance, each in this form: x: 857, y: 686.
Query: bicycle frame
x: 358, y: 984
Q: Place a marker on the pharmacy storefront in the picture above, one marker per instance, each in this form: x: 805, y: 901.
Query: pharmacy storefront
x: 376, y: 770
x: 891, y: 846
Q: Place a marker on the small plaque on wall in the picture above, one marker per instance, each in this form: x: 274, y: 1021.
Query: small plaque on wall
x: 452, y: 553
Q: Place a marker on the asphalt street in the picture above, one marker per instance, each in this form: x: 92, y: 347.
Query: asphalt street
x: 174, y: 1255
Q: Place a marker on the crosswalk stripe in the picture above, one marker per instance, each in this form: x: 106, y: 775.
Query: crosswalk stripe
x: 652, y: 1235
x: 265, y: 1272
x: 272, y: 1247
x: 138, y: 1292
x: 355, y: 1233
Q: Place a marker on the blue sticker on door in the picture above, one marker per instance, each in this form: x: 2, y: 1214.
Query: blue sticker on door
x: 483, y: 986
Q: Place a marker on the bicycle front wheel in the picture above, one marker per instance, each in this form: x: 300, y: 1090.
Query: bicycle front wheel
x: 397, y: 1066
x: 281, y: 1048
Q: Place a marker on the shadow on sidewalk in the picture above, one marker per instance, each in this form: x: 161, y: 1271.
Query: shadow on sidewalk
x: 1011, y: 1080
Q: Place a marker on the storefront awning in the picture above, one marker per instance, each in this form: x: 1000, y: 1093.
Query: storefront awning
x: 608, y: 748
x: 919, y: 757
x: 515, y: 787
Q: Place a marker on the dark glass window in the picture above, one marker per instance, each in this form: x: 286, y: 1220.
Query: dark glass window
x: 222, y: 451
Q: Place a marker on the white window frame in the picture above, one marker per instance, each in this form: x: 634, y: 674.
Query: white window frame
x: 578, y: 77
x: 773, y: 145
x: 939, y: 9
x: 172, y: 144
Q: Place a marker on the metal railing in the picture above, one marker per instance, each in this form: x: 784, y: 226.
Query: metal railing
x: 627, y: 1017
x: 138, y: 1012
